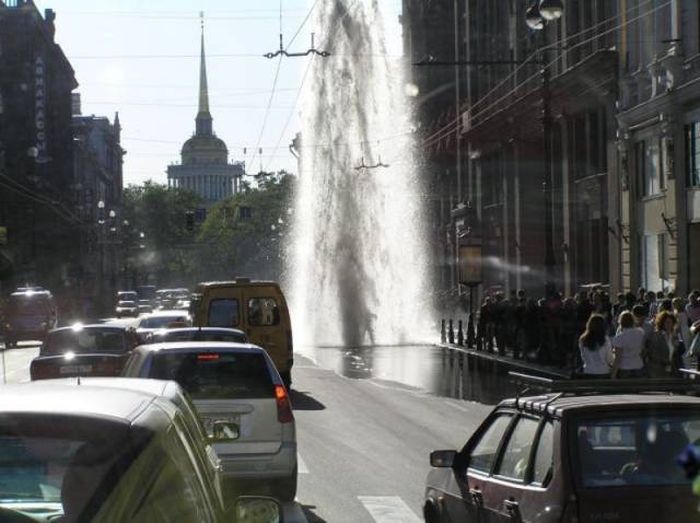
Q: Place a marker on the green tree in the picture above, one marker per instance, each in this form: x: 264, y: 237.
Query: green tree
x: 159, y: 212
x: 245, y: 235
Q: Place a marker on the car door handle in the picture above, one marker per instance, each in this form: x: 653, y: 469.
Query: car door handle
x: 477, y: 497
x: 511, y: 506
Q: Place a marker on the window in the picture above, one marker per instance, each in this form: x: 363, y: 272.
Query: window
x: 516, y: 456
x: 224, y: 313
x: 484, y: 452
x: 215, y: 375
x: 634, y: 449
x: 263, y: 312
x: 654, y: 264
x: 649, y: 171
x: 692, y: 158
x: 542, y: 470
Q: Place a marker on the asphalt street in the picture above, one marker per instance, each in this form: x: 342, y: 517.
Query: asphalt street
x: 363, y: 442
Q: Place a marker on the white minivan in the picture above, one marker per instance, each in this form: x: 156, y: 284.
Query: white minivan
x: 236, y: 389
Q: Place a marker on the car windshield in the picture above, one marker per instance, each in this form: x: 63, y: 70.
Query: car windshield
x: 28, y: 307
x: 159, y: 322
x: 215, y: 375
x: 58, y: 461
x: 634, y: 449
x: 85, y: 340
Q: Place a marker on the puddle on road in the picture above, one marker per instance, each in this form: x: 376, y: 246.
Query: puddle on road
x: 435, y: 370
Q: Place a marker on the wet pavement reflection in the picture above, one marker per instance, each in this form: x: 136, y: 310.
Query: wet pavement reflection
x: 439, y: 371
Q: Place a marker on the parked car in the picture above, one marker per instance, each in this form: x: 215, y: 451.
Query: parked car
x: 239, y: 384
x: 126, y: 308
x: 256, y: 307
x: 199, y: 334
x: 77, y: 452
x: 607, y: 454
x: 83, y: 350
x: 29, y: 315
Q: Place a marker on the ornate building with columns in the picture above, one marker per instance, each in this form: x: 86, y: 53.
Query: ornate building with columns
x: 204, y: 168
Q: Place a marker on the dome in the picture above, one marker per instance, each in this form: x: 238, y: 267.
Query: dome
x: 204, y: 149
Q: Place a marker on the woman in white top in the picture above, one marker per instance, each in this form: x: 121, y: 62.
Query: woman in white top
x: 595, y: 348
x: 627, y: 349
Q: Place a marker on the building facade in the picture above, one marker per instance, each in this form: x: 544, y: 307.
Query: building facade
x: 204, y: 168
x: 36, y: 153
x: 608, y: 93
x: 98, y: 160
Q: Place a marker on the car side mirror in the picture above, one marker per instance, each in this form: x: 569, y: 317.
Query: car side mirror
x: 224, y: 430
x: 443, y: 458
x: 257, y: 509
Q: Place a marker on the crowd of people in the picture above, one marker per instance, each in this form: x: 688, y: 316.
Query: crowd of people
x: 649, y: 333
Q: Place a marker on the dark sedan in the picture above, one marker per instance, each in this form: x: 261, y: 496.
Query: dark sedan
x: 83, y: 350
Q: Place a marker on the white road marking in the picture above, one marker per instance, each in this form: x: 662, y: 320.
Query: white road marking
x: 301, y: 465
x: 388, y: 509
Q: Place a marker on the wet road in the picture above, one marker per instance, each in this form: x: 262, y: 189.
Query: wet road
x: 367, y: 420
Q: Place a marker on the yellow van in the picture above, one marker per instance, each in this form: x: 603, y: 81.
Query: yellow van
x: 256, y: 307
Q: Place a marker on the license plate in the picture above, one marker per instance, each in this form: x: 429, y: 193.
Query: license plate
x: 75, y: 369
x: 208, y: 422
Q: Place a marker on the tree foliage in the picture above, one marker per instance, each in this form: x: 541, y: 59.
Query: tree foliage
x: 159, y: 213
x: 245, y: 235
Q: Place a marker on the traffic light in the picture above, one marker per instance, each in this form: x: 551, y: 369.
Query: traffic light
x: 189, y: 220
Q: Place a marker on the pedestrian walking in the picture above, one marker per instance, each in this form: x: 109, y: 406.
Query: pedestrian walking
x: 660, y: 354
x: 595, y: 348
x: 685, y: 338
x: 640, y: 319
x: 693, y: 307
x: 568, y: 332
x: 627, y: 349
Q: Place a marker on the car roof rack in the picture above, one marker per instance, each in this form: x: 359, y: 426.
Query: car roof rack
x: 530, y: 382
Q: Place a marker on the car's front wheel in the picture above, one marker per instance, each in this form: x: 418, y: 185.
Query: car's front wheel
x: 287, y: 488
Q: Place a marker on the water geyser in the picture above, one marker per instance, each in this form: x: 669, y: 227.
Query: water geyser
x: 360, y: 258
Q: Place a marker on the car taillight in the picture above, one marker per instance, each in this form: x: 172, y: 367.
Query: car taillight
x: 284, y: 406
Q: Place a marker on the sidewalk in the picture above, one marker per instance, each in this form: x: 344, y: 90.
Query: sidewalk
x: 510, y: 363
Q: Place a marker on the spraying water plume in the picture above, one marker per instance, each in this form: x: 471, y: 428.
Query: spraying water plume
x: 361, y: 262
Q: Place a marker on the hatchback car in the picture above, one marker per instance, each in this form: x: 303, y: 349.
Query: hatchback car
x: 569, y: 457
x: 73, y: 452
x: 237, y: 384
x: 83, y: 350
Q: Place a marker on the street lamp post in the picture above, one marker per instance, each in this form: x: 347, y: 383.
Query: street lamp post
x: 537, y: 15
x: 469, y: 257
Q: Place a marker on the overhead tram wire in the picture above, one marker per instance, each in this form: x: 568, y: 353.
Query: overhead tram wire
x: 303, y: 80
x: 450, y: 127
x: 269, y: 102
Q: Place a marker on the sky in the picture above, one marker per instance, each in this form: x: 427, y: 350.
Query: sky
x: 142, y: 60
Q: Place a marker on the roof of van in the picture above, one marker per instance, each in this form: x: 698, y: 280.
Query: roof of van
x: 237, y: 283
